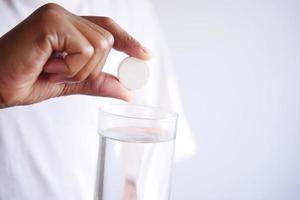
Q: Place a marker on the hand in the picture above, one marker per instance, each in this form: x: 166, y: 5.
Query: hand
x: 55, y: 53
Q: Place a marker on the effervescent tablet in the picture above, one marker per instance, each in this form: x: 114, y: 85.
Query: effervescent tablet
x: 133, y: 73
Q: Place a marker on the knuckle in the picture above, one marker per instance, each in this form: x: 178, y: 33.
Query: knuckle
x: 87, y: 51
x: 110, y: 38
x: 49, y: 14
x: 108, y: 22
x: 49, y: 10
x: 48, y: 6
x: 106, y: 42
x: 102, y: 45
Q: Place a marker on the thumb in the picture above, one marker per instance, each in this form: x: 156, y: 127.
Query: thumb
x: 105, y: 85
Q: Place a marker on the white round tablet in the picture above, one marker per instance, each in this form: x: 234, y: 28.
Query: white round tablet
x: 133, y: 73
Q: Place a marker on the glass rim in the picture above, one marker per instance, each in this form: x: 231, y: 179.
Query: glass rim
x: 170, y: 115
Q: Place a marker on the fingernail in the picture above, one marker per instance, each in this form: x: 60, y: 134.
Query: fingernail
x: 147, y: 52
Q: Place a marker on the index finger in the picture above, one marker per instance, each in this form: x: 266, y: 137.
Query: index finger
x: 122, y: 40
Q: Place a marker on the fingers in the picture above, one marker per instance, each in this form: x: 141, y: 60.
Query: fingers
x: 78, y: 64
x: 81, y: 48
x: 87, y: 45
x: 123, y: 41
x: 102, y: 42
x: 77, y: 49
x: 104, y: 85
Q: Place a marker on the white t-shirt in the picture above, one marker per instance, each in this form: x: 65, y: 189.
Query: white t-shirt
x: 49, y: 150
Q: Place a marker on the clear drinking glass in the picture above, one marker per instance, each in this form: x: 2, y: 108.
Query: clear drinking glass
x: 135, y: 153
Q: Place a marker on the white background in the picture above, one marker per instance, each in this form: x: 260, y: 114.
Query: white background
x: 238, y: 66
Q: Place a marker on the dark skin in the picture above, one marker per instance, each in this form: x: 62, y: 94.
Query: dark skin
x: 30, y: 73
